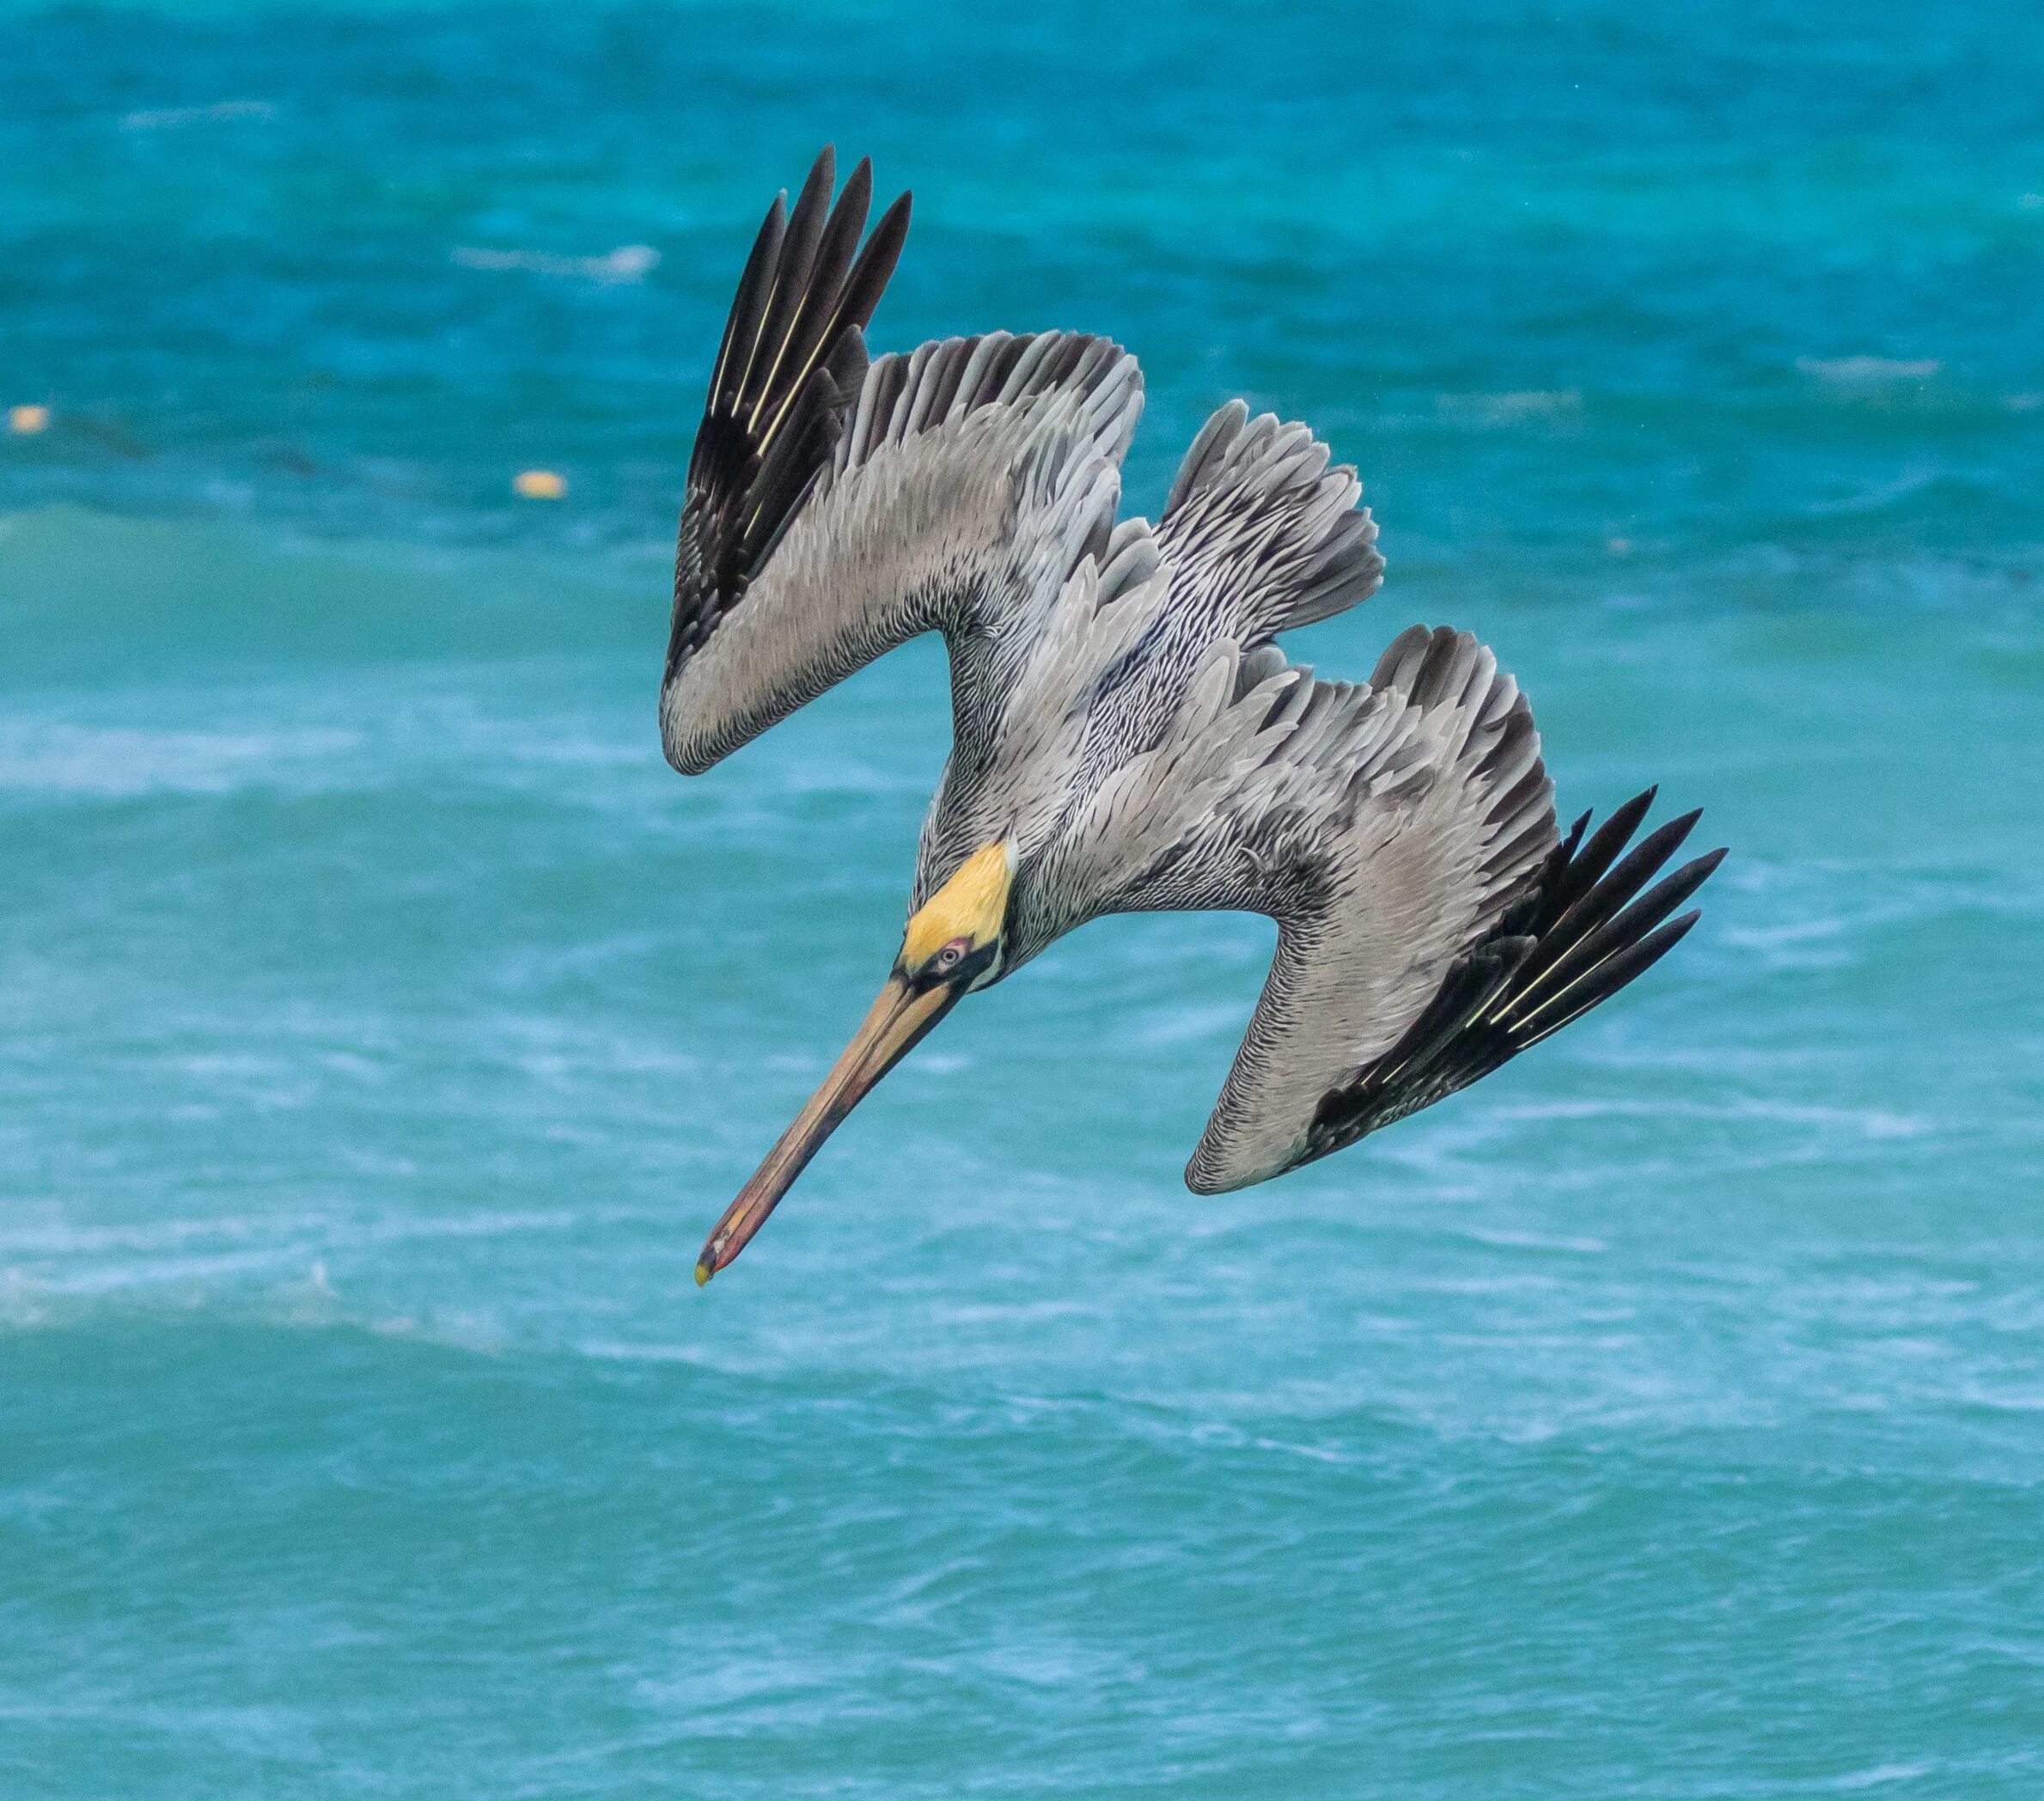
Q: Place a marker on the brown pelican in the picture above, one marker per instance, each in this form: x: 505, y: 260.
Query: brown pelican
x: 1127, y: 735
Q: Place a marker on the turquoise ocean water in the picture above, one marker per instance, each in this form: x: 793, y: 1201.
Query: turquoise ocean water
x: 382, y: 1024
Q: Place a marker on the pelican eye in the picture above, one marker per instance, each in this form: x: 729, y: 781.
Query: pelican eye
x: 950, y: 956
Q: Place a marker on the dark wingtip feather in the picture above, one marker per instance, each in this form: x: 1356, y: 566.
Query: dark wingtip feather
x: 1572, y: 940
x: 795, y: 269
x: 1623, y: 968
x: 788, y: 368
x: 1610, y: 838
x: 748, y: 309
x: 1585, y: 867
x: 875, y: 266
x: 1553, y: 987
x: 1576, y: 939
x: 1667, y: 895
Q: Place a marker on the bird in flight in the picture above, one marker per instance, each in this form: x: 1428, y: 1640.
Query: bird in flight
x: 1128, y: 735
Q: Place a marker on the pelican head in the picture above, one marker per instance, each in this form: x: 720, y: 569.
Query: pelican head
x: 955, y: 942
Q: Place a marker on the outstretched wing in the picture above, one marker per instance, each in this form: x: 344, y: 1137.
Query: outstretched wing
x: 835, y: 509
x: 1430, y: 924
x: 1402, y: 831
x: 791, y: 363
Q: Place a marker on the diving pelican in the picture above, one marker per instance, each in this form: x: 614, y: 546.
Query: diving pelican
x: 1128, y: 736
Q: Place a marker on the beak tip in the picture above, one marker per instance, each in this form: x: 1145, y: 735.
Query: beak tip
x: 896, y: 1023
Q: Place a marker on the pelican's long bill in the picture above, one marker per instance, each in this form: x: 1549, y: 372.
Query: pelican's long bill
x: 898, y: 1018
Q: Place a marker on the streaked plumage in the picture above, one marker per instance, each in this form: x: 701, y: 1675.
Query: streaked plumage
x: 1128, y: 735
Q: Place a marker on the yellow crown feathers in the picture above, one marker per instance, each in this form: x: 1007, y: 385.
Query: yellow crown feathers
x: 971, y: 906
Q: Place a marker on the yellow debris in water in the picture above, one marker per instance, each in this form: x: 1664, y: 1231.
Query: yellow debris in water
x: 27, y: 421
x: 539, y: 485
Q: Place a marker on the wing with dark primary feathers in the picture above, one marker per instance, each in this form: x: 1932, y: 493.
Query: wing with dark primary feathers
x: 790, y: 366
x: 1431, y: 924
x: 1582, y: 931
x: 836, y: 509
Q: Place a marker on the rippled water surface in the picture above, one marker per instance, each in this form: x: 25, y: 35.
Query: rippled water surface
x: 382, y: 1024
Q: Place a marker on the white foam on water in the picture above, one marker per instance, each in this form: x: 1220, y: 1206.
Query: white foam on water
x: 627, y: 263
x: 117, y: 762
x: 1516, y: 408
x: 1870, y: 368
x: 220, y: 111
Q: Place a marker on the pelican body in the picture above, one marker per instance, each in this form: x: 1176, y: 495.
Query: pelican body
x: 1128, y: 735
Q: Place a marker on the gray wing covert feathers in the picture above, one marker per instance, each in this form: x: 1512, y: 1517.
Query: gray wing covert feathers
x: 1258, y: 535
x: 1431, y: 924
x: 1261, y: 533
x: 1149, y: 688
x: 1400, y: 831
x: 835, y: 509
x: 1387, y: 832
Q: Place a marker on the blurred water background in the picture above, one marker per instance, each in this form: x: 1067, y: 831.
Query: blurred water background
x: 382, y: 1024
